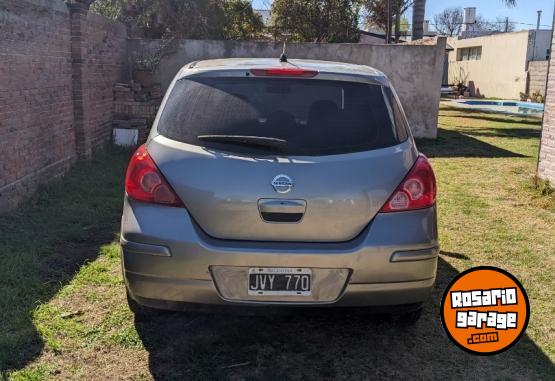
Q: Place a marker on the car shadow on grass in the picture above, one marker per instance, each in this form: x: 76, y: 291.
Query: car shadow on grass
x: 44, y: 243
x: 451, y: 143
x: 324, y: 344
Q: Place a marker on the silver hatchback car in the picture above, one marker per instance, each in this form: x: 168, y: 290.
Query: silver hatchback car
x: 279, y: 183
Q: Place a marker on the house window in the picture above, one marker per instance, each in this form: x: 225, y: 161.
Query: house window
x: 473, y: 53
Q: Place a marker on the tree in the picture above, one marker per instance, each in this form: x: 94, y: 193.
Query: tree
x: 507, y: 26
x: 376, y: 13
x: 404, y: 24
x: 241, y: 23
x: 108, y: 8
x: 499, y: 25
x: 315, y: 20
x: 200, y: 19
x: 197, y: 19
x: 504, y: 25
x: 418, y: 13
x: 449, y: 22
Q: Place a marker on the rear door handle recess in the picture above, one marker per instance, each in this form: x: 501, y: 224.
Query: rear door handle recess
x: 271, y: 205
x: 281, y: 210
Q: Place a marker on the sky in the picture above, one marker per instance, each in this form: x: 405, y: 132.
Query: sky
x: 524, y: 12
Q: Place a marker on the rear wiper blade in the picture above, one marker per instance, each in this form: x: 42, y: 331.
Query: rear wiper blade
x: 262, y: 141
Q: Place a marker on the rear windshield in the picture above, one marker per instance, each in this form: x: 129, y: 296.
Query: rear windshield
x: 315, y: 117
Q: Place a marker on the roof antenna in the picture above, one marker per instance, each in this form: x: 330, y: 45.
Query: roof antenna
x: 283, y: 57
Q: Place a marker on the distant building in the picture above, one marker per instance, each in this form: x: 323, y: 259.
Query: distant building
x: 501, y: 65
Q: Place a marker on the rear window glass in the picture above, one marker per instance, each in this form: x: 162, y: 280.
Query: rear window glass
x: 315, y: 117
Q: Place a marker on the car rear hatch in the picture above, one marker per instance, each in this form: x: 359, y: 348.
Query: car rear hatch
x: 282, y: 157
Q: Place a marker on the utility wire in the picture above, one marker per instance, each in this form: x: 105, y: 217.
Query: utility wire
x: 491, y: 22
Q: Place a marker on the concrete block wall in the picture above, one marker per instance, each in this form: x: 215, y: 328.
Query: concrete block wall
x: 57, y: 67
x: 537, y: 77
x: 415, y: 70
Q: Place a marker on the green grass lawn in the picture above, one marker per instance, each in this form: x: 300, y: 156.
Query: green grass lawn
x: 62, y: 302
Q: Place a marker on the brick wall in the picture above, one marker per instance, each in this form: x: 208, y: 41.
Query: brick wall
x: 104, y: 63
x: 136, y: 107
x: 546, y: 164
x: 36, y: 108
x: 56, y: 79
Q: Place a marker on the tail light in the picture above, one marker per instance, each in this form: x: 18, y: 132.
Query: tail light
x: 284, y: 72
x: 144, y: 182
x: 416, y: 191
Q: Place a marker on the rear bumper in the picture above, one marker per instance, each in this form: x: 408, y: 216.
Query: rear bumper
x: 392, y: 262
x: 163, y: 293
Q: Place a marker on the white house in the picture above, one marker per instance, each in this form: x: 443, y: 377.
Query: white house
x: 501, y: 65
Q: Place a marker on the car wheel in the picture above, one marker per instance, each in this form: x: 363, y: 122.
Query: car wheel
x: 409, y: 317
x: 139, y: 310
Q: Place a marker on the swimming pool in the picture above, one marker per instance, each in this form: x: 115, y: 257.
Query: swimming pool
x: 505, y: 107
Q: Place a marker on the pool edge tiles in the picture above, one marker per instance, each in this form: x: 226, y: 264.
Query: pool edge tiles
x: 500, y: 106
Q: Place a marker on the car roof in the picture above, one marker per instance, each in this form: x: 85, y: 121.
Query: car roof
x: 322, y: 66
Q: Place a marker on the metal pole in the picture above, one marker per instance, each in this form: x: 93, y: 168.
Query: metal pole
x: 539, y: 19
x: 388, y: 28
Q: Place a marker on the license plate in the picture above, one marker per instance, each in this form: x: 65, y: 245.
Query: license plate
x: 280, y: 281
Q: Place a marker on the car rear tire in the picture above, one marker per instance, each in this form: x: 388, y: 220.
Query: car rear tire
x: 139, y: 310
x: 409, y: 317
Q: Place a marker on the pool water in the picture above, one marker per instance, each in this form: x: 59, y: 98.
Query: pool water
x: 506, y: 107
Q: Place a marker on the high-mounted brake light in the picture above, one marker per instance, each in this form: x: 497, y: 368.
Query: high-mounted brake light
x: 416, y: 191
x: 284, y: 72
x: 144, y: 182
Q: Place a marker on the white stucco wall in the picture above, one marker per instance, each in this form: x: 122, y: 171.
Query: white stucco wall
x: 502, y: 70
x: 414, y: 70
x: 539, y: 44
